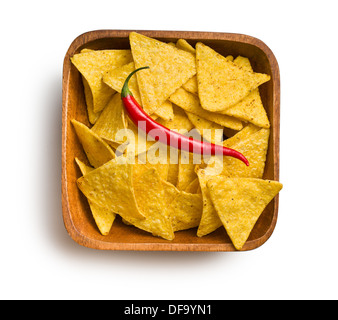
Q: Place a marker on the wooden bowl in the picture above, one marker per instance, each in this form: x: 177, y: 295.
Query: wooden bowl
x: 77, y: 216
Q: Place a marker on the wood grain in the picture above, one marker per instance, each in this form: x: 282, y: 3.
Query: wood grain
x: 76, y: 213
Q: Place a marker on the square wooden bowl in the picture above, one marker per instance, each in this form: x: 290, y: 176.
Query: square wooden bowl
x: 77, y: 216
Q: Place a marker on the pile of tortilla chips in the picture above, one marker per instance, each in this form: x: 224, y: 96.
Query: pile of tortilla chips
x: 185, y: 88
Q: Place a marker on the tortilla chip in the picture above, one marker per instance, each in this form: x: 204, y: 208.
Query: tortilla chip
x: 185, y: 211
x: 169, y: 69
x: 92, y: 116
x: 190, y: 103
x: 180, y: 121
x: 250, y: 108
x: 92, y: 64
x: 193, y: 186
x: 104, y: 217
x: 98, y: 151
x: 150, y: 197
x: 191, y: 85
x: 110, y: 186
x: 254, y: 148
x: 186, y: 170
x: 209, y: 130
x: 209, y: 220
x: 185, y: 45
x: 138, y: 141
x: 222, y: 83
x: 239, y: 203
x: 111, y: 120
x: 116, y: 77
x: 244, y: 134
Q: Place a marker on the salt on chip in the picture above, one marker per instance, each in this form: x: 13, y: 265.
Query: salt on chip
x: 104, y: 217
x: 150, y: 197
x: 191, y: 103
x: 116, y: 77
x: 250, y: 108
x: 222, y: 83
x: 92, y: 64
x: 111, y: 120
x: 169, y: 69
x: 97, y: 150
x: 239, y: 202
x: 111, y: 186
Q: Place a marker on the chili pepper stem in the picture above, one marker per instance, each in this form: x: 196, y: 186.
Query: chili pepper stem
x: 125, y: 89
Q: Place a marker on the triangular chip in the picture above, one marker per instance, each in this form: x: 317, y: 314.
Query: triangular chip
x: 150, y: 197
x: 169, y: 69
x: 110, y: 186
x: 98, y: 151
x: 92, y: 116
x: 239, y: 202
x: 115, y: 78
x: 111, y: 120
x: 209, y: 220
x: 104, y: 217
x: 92, y: 64
x: 222, y: 83
x: 250, y: 108
x: 191, y: 103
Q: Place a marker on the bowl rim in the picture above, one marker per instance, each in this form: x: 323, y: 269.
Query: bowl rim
x: 90, y: 36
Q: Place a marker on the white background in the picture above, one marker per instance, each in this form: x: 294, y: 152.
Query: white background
x: 38, y: 259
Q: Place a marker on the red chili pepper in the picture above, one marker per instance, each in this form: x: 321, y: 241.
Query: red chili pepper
x: 172, y: 138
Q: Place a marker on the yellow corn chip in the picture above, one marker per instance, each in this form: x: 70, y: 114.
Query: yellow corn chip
x: 254, y: 148
x: 221, y: 83
x: 185, y: 45
x: 111, y: 120
x: 185, y: 211
x: 110, y: 186
x: 209, y: 220
x: 250, y: 108
x: 98, y: 151
x: 116, y: 77
x: 180, y: 121
x: 244, y: 134
x: 239, y: 202
x: 190, y: 103
x: 92, y: 116
x: 186, y: 170
x: 104, y: 217
x: 92, y: 64
x: 191, y: 85
x: 209, y: 130
x: 169, y: 69
x: 192, y: 187
x: 150, y: 197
